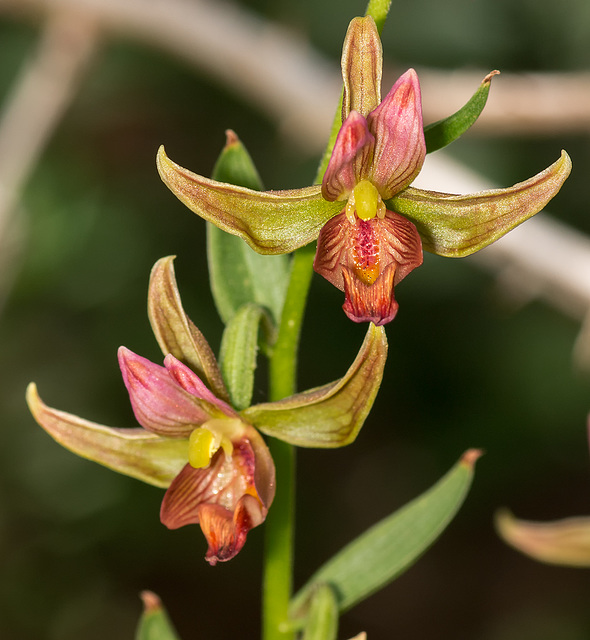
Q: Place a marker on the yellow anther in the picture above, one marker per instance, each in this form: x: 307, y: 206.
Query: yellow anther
x: 206, y: 440
x: 367, y: 201
x: 202, y: 445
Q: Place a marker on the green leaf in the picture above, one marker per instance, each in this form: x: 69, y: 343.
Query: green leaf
x: 332, y: 415
x: 458, y: 225
x: 440, y: 134
x: 391, y: 546
x: 238, y: 274
x: 154, y: 623
x: 378, y: 9
x: 239, y: 348
x: 322, y: 619
x: 235, y: 165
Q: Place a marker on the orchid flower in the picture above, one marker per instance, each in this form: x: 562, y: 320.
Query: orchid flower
x: 211, y: 458
x: 372, y: 225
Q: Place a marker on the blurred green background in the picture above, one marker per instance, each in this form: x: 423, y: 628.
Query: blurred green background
x: 466, y: 368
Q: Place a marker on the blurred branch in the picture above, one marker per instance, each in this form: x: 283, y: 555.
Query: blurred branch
x: 540, y: 104
x: 277, y: 71
x: 268, y: 65
x: 36, y: 104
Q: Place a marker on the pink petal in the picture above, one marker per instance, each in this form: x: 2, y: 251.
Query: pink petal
x: 399, y: 137
x: 350, y: 158
x: 160, y: 404
x: 191, y: 383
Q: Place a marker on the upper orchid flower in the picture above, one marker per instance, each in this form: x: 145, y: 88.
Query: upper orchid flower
x: 366, y: 249
x: 371, y: 224
x: 215, y: 465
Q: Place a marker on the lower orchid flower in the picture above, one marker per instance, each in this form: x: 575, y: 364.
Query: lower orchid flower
x: 211, y: 458
x: 372, y: 225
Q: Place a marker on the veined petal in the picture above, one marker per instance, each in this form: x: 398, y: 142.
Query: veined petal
x: 458, y: 225
x: 225, y: 531
x: 269, y: 221
x: 160, y: 404
x: 362, y: 62
x: 332, y: 415
x: 264, y: 468
x: 190, y: 382
x: 175, y: 332
x: 334, y: 243
x: 350, y: 159
x: 366, y: 260
x: 399, y: 136
x: 374, y: 302
x: 223, y: 498
x: 564, y: 542
x: 133, y: 452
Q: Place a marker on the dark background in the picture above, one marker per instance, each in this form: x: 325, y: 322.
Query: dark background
x: 466, y: 368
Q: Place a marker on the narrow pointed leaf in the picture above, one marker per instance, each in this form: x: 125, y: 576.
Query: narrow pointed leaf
x: 133, y: 452
x: 239, y: 349
x: 332, y: 415
x: 322, y: 619
x: 564, y: 542
x: 378, y: 9
x: 458, y: 225
x: 388, y: 548
x: 175, y: 332
x: 237, y: 273
x: 441, y: 133
x: 269, y: 221
x: 154, y: 623
x: 235, y: 165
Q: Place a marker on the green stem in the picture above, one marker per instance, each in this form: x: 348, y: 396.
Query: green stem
x: 280, y: 522
x: 379, y: 10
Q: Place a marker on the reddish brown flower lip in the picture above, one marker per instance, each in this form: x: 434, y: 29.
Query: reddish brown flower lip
x: 366, y: 260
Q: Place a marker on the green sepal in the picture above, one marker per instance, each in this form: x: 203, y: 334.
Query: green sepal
x: 133, y: 452
x: 388, y: 548
x: 239, y: 275
x: 174, y: 330
x: 154, y: 623
x: 322, y: 618
x: 441, y: 133
x: 332, y: 415
x: 239, y: 349
x: 458, y: 225
x: 269, y: 221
